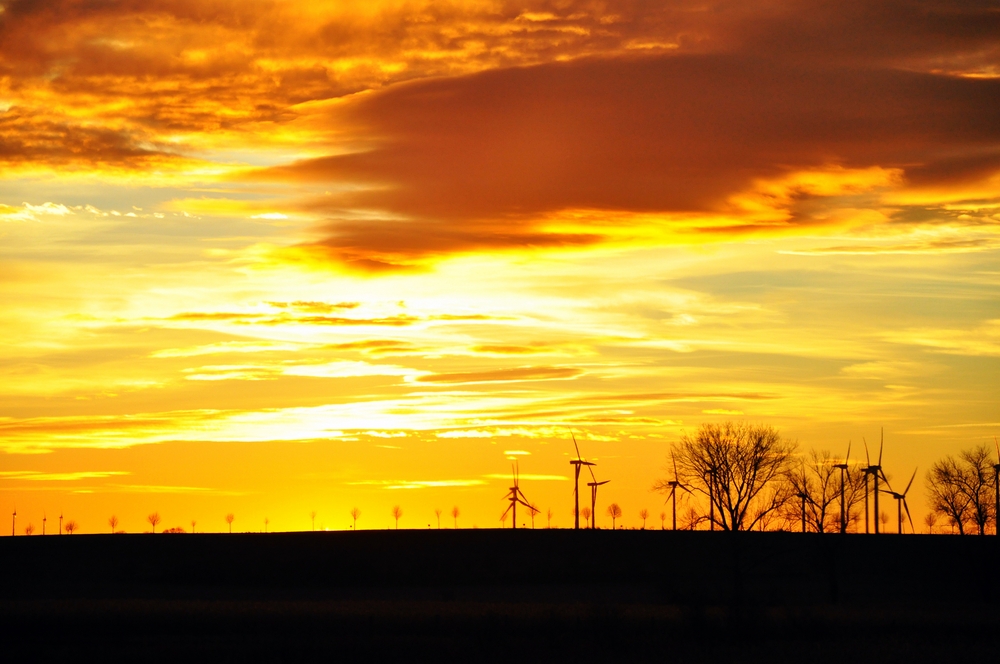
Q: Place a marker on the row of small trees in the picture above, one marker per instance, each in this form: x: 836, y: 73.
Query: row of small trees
x: 753, y: 479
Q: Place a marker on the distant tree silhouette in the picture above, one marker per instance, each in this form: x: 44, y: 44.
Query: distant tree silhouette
x: 70, y: 526
x: 193, y: 524
x: 312, y: 515
x: 930, y: 520
x: 549, y: 516
x: 454, y: 514
x: 533, y: 511
x: 741, y: 468
x: 355, y: 513
x: 644, y: 514
x: 585, y: 513
x: 691, y: 519
x: 153, y: 519
x: 962, y: 488
x: 113, y: 522
x: 883, y: 519
x: 175, y: 529
x: 663, y: 520
x: 266, y: 521
x: 437, y: 513
x: 615, y: 512
x: 229, y: 519
x: 397, y: 512
x: 29, y: 529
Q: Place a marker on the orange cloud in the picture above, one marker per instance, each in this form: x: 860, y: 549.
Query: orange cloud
x: 483, y: 161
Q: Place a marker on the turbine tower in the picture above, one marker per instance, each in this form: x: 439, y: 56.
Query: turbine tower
x: 576, y: 463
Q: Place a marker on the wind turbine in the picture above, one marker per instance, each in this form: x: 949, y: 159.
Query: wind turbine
x: 843, y: 470
x: 13, y: 524
x: 996, y: 487
x: 515, y: 496
x: 901, y: 503
x: 674, y: 484
x: 804, y: 497
x: 44, y: 519
x: 876, y: 472
x: 712, y: 474
x: 576, y: 463
x: 593, y: 496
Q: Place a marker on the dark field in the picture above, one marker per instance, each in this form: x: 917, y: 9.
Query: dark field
x: 491, y: 595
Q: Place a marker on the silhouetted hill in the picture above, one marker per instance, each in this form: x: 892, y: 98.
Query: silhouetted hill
x: 425, y: 594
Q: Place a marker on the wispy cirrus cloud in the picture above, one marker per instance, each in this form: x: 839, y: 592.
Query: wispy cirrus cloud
x: 72, y: 476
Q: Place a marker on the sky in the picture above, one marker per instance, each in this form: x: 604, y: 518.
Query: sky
x: 272, y: 258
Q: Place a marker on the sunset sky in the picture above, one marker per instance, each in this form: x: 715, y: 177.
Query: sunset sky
x: 271, y: 257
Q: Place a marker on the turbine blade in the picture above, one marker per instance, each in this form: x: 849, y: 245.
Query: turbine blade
x: 847, y: 459
x: 507, y: 510
x: 868, y: 459
x: 998, y: 448
x: 910, y: 482
x: 592, y: 473
x: 907, y: 508
x: 578, y: 457
x: 881, y: 444
x: 674, y: 461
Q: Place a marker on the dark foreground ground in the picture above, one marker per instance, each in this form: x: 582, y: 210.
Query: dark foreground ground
x: 490, y: 595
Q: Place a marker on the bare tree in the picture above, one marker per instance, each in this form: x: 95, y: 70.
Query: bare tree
x: 70, y: 526
x: 437, y: 513
x: 355, y: 513
x: 454, y: 514
x: 397, y: 512
x: 615, y: 512
x: 818, y: 480
x: 690, y: 520
x: 113, y: 522
x: 193, y: 524
x: 266, y: 522
x: 153, y: 519
x: 312, y: 515
x: 883, y: 519
x: 962, y: 488
x: 229, y: 519
x: 29, y: 529
x: 930, y: 520
x: 663, y: 520
x: 533, y: 511
x: 741, y: 468
x: 585, y: 513
x: 549, y: 515
x: 644, y: 514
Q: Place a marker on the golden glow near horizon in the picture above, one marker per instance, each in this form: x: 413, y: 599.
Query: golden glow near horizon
x: 269, y: 259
